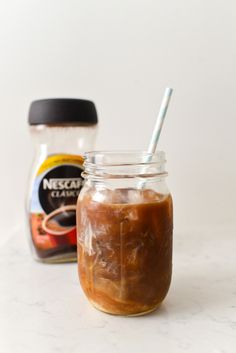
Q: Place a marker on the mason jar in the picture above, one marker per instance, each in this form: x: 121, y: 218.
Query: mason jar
x: 61, y: 130
x: 124, y: 231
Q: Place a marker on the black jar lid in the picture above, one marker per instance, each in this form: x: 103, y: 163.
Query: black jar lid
x: 62, y: 111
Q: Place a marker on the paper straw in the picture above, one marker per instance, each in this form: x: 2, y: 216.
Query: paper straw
x: 160, y: 120
x: 158, y: 126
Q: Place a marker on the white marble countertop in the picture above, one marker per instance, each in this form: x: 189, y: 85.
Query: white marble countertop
x: 43, y: 309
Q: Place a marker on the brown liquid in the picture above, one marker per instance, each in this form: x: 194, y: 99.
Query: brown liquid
x: 125, y: 251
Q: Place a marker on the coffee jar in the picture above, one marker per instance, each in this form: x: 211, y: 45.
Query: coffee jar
x: 62, y: 130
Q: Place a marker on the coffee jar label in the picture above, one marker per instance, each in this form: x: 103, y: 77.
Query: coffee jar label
x: 55, y: 191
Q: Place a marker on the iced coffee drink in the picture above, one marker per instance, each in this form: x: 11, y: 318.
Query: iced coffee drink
x: 125, y: 248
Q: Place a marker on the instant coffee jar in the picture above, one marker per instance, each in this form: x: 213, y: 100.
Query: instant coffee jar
x: 62, y: 130
x: 125, y: 223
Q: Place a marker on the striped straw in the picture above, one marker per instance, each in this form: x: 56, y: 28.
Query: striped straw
x: 160, y: 120
x: 158, y: 126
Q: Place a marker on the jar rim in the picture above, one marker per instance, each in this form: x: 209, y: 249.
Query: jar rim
x: 126, y: 164
x: 123, y: 158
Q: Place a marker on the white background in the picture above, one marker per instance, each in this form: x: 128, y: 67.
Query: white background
x: 122, y: 54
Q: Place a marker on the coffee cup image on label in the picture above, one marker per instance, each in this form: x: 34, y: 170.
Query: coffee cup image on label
x: 61, y: 221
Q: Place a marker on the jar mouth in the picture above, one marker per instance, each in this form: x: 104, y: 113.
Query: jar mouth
x: 124, y: 163
x: 118, y: 158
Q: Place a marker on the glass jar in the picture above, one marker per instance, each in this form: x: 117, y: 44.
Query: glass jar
x: 62, y: 130
x: 124, y: 231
